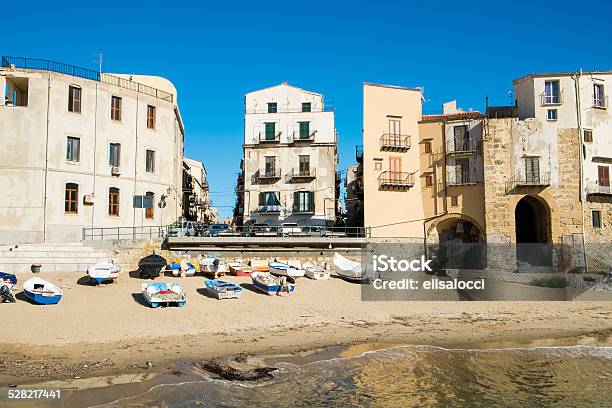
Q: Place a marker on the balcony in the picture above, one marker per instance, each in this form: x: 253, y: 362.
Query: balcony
x: 395, y: 179
x: 359, y: 153
x: 600, y: 103
x: 269, y: 209
x: 460, y: 177
x: 268, y: 138
x: 596, y: 189
x: 263, y: 176
x: 530, y: 180
x: 551, y: 99
x: 465, y: 146
x: 394, y: 142
x: 303, y: 138
x: 297, y: 175
x: 303, y: 208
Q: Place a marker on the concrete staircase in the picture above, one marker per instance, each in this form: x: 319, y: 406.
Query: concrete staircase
x: 69, y: 257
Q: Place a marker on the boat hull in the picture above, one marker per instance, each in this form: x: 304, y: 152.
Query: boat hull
x: 42, y: 299
x: 153, y: 299
x: 279, y: 269
x: 222, y: 290
x: 274, y: 289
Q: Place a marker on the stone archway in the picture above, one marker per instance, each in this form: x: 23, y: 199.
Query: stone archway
x: 458, y: 242
x: 533, y: 232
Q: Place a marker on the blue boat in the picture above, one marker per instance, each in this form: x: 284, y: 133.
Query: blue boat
x: 162, y: 293
x: 42, y: 292
x: 222, y: 289
x: 273, y: 285
x: 7, y: 281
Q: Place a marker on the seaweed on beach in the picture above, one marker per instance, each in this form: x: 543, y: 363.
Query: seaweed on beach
x: 229, y: 373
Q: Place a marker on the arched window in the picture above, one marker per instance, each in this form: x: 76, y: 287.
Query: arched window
x: 71, y: 199
x: 113, y: 201
x: 149, y: 214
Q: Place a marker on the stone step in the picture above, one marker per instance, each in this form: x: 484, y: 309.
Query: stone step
x: 48, y: 248
x: 45, y: 267
x: 54, y: 260
x: 51, y: 254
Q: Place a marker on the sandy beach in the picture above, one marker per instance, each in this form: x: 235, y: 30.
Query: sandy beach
x: 108, y: 331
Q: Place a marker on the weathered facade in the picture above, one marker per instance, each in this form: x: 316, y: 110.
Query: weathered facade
x: 78, y: 145
x: 290, y: 158
x: 196, y: 196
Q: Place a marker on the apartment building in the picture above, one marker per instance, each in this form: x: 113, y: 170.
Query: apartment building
x: 354, y: 194
x: 82, y: 148
x: 290, y: 158
x: 391, y: 182
x: 196, y: 196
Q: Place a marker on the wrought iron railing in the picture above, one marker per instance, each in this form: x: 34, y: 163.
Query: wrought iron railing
x: 460, y: 177
x: 296, y: 137
x: 598, y: 189
x: 103, y: 233
x: 269, y: 209
x: 265, y: 175
x: 393, y: 141
x: 303, y: 208
x: 267, y: 138
x: 297, y: 173
x: 551, y: 99
x: 328, y: 107
x: 454, y: 146
x: 528, y: 180
x: 395, y: 179
x: 66, y: 69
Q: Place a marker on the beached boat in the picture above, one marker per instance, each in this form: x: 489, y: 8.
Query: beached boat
x: 150, y: 266
x: 240, y: 269
x: 283, y: 269
x: 104, y: 271
x: 315, y: 272
x: 157, y: 293
x: 273, y: 285
x: 222, y: 289
x: 348, y: 269
x: 182, y: 268
x: 7, y: 282
x: 214, y: 266
x: 259, y: 266
x: 42, y: 292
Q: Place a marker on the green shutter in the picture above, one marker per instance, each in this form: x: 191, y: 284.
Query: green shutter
x: 270, y: 130
x: 304, y: 130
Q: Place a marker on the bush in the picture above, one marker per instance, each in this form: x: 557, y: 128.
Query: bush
x: 552, y: 282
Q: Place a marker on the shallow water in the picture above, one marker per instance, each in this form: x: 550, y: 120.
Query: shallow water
x: 414, y: 376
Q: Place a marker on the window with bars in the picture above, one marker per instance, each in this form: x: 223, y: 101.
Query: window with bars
x: 74, y: 99
x: 115, y: 108
x: 71, y: 198
x: 304, y: 130
x: 150, y: 166
x: 532, y: 170
x: 114, y: 155
x: 149, y: 215
x: 73, y: 149
x: 150, y: 116
x: 113, y: 201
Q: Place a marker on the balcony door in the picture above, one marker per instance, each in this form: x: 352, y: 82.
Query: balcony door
x: 532, y: 170
x: 551, y: 92
x: 463, y: 170
x: 270, y: 169
x: 462, y: 137
x: 394, y: 131
x: 603, y: 178
x: 395, y: 168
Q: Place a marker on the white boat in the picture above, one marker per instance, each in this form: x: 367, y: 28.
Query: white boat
x: 213, y: 266
x: 348, y: 269
x: 158, y: 293
x: 104, y: 271
x: 42, y: 292
x: 283, y: 269
x: 315, y: 272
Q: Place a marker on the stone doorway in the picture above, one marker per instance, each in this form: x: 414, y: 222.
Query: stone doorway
x: 533, y: 232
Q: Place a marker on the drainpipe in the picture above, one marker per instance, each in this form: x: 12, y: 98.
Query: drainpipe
x: 46, y: 161
x: 576, y: 77
x: 95, y: 149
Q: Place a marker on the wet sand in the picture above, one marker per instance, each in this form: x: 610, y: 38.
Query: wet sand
x: 100, y: 336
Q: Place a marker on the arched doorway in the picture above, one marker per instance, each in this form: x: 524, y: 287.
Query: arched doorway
x: 461, y: 244
x: 532, y: 223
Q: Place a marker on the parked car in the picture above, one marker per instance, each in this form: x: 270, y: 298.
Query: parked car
x: 313, y: 231
x: 214, y: 230
x: 289, y: 229
x: 261, y: 230
x: 183, y: 229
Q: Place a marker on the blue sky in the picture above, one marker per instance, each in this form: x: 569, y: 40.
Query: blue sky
x: 215, y: 53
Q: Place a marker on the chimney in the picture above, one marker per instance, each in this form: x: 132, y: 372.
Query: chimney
x: 450, y: 107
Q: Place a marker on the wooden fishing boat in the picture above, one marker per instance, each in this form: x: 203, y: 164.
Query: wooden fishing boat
x: 259, y: 266
x: 315, y: 272
x: 222, y: 289
x: 283, y: 269
x: 106, y: 271
x: 348, y: 269
x: 240, y: 269
x: 42, y: 292
x: 273, y: 285
x: 158, y: 293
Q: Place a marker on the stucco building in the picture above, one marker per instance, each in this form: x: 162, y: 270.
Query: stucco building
x: 79, y: 145
x: 196, y: 196
x: 289, y: 158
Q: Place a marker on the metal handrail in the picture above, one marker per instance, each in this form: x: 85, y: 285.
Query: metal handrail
x: 326, y: 108
x: 310, y: 138
x: 532, y: 180
x: 394, y: 141
x: 297, y: 173
x: 301, y: 209
x: 598, y: 189
x: 264, y: 139
x: 551, y: 100
x: 66, y: 69
x: 462, y: 146
x: 457, y: 177
x: 102, y: 233
x: 395, y: 178
x: 262, y: 175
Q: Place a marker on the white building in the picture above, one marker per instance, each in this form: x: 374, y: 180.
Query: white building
x: 290, y: 157
x: 78, y: 146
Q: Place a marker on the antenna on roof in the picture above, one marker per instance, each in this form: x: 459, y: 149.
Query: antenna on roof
x: 100, y: 62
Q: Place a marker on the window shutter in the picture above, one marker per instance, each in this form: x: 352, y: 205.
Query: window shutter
x: 262, y: 198
x: 604, y: 176
x: 311, y: 200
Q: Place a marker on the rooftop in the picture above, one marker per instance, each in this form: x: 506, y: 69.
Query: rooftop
x: 61, y: 68
x: 452, y: 116
x: 558, y: 74
x: 393, y: 86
